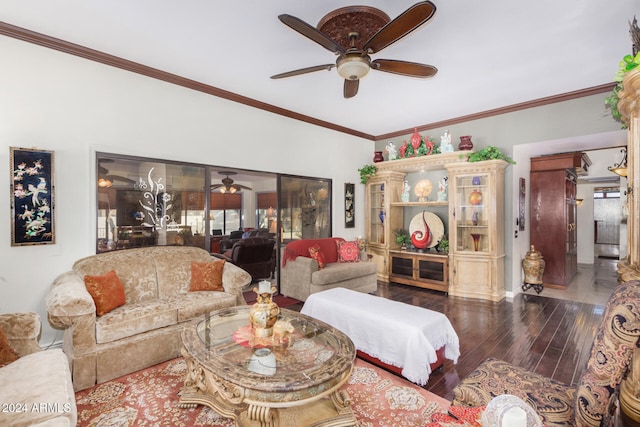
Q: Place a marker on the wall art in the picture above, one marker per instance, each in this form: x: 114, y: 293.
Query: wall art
x: 522, y: 196
x: 32, y: 197
x: 349, y: 205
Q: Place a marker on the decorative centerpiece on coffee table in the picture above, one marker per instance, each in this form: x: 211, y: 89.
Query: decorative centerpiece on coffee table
x: 264, y: 313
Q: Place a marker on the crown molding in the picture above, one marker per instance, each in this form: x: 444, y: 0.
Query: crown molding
x: 134, y: 67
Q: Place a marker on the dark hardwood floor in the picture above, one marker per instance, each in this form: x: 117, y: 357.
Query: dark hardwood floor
x: 546, y: 335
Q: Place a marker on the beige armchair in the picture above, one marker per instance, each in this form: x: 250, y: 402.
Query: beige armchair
x: 38, y: 379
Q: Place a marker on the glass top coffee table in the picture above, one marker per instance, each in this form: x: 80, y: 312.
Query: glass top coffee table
x: 275, y: 381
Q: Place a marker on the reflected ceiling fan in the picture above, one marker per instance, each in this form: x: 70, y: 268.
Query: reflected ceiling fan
x: 105, y: 180
x: 227, y: 185
x: 355, y: 32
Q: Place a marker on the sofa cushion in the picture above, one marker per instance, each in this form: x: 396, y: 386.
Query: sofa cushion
x: 207, y: 276
x: 316, y: 253
x: 337, y: 272
x: 107, y: 291
x: 41, y: 383
x: 7, y: 354
x: 173, y: 267
x: 134, y: 267
x: 348, y: 251
x: 191, y: 305
x: 135, y: 318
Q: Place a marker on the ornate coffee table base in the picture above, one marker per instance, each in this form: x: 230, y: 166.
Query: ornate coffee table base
x: 201, y: 387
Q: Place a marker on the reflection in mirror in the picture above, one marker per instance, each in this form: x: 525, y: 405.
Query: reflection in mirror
x: 144, y: 202
x: 305, y: 208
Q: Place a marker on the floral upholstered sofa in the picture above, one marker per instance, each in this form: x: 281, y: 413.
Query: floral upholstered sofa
x: 35, y: 388
x: 159, y: 298
x: 301, y: 275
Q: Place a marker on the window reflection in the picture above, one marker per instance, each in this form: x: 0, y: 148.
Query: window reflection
x: 305, y: 208
x: 147, y: 203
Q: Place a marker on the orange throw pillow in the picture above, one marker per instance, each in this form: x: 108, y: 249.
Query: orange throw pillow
x: 7, y: 354
x: 107, y: 291
x: 207, y: 276
x: 348, y: 251
x: 316, y: 253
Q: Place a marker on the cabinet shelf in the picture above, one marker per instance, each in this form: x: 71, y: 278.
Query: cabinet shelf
x: 419, y: 204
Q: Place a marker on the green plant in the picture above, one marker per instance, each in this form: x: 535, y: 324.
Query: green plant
x: 489, y: 153
x: 366, y: 172
x: 443, y: 245
x: 402, y: 237
x: 628, y: 63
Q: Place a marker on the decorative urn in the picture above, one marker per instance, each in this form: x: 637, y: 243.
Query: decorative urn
x: 465, y: 143
x: 264, y: 313
x: 533, y: 267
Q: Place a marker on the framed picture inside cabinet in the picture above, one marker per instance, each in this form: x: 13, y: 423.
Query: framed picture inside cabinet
x: 32, y: 197
x: 349, y: 205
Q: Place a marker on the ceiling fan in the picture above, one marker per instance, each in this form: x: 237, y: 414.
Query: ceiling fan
x: 105, y: 180
x: 227, y: 185
x: 355, y: 32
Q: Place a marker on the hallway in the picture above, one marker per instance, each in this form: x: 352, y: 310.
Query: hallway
x: 593, y: 283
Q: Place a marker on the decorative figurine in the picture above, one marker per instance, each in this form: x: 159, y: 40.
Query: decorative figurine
x: 405, y: 191
x: 442, y: 189
x: 264, y: 313
x: 445, y: 143
x: 392, y: 150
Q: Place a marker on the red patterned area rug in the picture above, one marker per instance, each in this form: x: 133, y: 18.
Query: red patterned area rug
x: 150, y: 398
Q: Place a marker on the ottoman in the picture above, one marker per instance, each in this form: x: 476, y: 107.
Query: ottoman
x: 397, y: 334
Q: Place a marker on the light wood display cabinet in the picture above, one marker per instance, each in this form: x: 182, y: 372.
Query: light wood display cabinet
x: 476, y: 229
x: 385, y: 213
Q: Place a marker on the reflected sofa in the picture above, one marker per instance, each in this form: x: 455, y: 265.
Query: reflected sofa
x: 39, y: 381
x: 146, y: 330
x: 301, y: 277
x: 255, y: 255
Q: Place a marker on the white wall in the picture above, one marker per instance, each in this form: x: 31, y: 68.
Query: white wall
x: 53, y: 101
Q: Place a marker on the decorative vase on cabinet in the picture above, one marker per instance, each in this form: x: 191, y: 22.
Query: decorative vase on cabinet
x: 476, y: 229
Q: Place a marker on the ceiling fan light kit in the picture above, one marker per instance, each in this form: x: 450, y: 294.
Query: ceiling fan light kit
x: 353, y: 67
x: 343, y: 31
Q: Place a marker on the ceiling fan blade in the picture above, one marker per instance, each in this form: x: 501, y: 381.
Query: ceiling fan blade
x: 327, y: 67
x: 312, y: 33
x: 351, y: 88
x: 405, y: 68
x: 408, y: 21
x: 241, y: 187
x: 216, y: 186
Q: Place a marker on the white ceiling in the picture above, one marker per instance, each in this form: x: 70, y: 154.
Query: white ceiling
x: 489, y: 54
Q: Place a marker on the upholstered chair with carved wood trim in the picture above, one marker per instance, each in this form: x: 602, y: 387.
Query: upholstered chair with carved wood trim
x: 590, y: 403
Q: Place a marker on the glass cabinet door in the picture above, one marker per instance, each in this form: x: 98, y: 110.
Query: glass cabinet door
x: 377, y: 214
x: 471, y: 213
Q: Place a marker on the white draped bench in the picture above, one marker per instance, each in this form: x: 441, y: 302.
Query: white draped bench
x: 397, y: 334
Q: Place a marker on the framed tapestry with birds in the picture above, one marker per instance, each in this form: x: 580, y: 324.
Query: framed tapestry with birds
x: 32, y: 197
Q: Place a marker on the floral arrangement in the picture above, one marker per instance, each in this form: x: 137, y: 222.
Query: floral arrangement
x: 418, y: 146
x: 628, y: 63
x: 489, y: 153
x: 367, y: 171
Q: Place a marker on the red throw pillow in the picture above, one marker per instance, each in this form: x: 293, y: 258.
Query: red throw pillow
x: 7, y: 354
x: 316, y: 253
x: 107, y: 291
x: 207, y: 276
x: 348, y: 251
